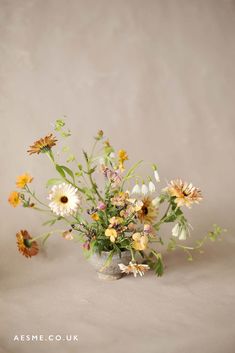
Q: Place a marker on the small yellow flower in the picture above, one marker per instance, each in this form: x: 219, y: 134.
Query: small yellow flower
x: 140, y: 241
x: 112, y: 234
x: 23, y: 180
x: 14, y: 198
x: 122, y: 157
x: 95, y: 217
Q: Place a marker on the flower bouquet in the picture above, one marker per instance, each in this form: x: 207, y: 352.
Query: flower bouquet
x: 117, y: 222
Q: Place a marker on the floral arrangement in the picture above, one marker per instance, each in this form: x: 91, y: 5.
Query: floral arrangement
x: 112, y: 218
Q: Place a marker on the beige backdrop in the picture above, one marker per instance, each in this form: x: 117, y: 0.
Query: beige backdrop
x: 158, y: 77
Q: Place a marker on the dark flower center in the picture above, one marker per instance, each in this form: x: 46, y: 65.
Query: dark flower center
x: 145, y: 210
x: 27, y: 243
x: 185, y: 193
x: 64, y: 199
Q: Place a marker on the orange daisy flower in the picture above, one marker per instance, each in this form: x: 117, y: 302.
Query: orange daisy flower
x: 14, y: 198
x: 26, y: 246
x: 43, y: 145
x: 23, y: 180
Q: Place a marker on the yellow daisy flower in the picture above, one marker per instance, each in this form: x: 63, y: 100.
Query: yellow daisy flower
x: 23, y: 180
x: 14, y: 198
x: 148, y: 212
x: 112, y: 234
x: 43, y: 145
x: 140, y: 241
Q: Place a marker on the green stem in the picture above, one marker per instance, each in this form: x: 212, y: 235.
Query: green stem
x: 162, y: 220
x: 35, y: 197
x: 46, y: 234
x: 132, y: 254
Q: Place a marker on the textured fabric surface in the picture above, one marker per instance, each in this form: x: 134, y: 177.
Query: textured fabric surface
x: 158, y: 77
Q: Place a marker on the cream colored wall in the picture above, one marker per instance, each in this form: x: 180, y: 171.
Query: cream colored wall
x: 157, y: 76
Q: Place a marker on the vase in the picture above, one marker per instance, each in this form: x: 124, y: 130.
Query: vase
x: 111, y: 271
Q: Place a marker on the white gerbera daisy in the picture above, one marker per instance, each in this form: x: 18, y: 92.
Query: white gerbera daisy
x: 64, y: 199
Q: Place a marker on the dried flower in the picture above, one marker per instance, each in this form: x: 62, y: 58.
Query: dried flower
x: 26, y: 245
x: 184, y: 193
x: 136, y: 269
x: 43, y: 145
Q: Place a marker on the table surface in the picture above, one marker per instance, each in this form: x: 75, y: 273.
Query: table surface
x: 190, y: 309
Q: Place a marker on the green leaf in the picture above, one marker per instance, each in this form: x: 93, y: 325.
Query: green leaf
x: 108, y: 260
x: 171, y: 218
x: 51, y: 222
x: 59, y: 124
x: 157, y: 266
x: 65, y: 133
x: 60, y: 170
x: 53, y: 181
x: 71, y: 158
x: 68, y: 171
x: 217, y: 231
